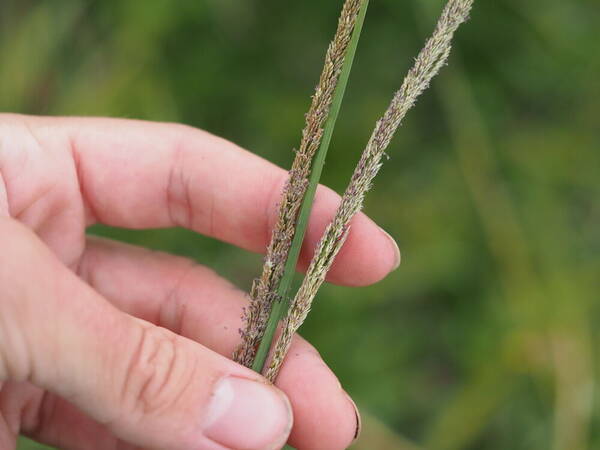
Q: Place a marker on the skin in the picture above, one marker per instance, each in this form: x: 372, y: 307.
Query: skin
x: 75, y: 310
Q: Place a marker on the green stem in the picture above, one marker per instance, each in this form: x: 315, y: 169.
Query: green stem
x: 281, y: 306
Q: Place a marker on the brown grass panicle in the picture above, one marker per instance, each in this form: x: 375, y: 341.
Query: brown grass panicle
x: 264, y: 290
x: 430, y: 60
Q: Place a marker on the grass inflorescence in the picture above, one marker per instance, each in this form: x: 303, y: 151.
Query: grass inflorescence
x: 269, y: 304
x: 269, y: 294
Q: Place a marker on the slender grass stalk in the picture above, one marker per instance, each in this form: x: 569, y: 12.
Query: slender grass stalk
x: 269, y: 295
x: 428, y: 63
x: 281, y: 308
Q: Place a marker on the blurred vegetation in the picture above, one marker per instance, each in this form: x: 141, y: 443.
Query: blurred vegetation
x: 484, y: 339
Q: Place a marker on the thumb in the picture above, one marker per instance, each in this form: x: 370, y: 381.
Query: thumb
x: 149, y: 386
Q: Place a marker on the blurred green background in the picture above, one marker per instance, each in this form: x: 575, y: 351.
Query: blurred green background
x: 485, y: 337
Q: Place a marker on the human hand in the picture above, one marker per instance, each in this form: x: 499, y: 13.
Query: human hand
x: 105, y: 345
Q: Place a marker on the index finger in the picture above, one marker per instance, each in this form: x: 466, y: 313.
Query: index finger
x: 139, y: 174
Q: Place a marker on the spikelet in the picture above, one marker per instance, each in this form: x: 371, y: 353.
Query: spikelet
x: 264, y: 289
x: 429, y: 62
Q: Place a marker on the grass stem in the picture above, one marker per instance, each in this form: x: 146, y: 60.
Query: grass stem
x: 281, y: 305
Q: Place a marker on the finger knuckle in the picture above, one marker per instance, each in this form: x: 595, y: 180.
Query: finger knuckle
x: 157, y: 374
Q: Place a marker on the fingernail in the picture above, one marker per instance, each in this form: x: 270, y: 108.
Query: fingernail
x: 397, y: 256
x: 358, y: 419
x: 246, y: 414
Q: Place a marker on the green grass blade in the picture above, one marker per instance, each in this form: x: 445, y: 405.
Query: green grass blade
x: 281, y: 307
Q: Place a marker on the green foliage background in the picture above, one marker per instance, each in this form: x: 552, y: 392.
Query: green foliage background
x: 486, y: 337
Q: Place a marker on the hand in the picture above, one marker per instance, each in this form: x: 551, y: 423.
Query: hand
x: 105, y: 345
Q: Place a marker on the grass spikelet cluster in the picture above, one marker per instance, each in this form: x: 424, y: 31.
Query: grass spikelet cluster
x: 428, y: 63
x: 265, y: 291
